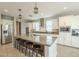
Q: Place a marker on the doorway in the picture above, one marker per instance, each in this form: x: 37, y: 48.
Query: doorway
x: 27, y: 30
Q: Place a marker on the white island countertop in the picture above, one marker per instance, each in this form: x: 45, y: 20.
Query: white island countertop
x: 46, y: 39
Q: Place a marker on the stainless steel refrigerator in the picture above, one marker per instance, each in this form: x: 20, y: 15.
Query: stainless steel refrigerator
x: 6, y: 33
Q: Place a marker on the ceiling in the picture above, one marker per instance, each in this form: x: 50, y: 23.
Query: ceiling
x: 46, y: 9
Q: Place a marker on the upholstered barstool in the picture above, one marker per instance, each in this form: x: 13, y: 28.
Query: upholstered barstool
x: 29, y: 48
x: 41, y: 52
x: 22, y: 46
x: 26, y: 47
x: 38, y: 50
x: 17, y: 44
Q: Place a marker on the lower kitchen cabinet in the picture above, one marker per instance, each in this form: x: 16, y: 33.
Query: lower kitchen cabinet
x: 65, y: 39
x: 75, y: 41
x: 68, y: 40
x: 61, y: 40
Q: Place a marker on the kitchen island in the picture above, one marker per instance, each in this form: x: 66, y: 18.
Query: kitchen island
x: 48, y: 41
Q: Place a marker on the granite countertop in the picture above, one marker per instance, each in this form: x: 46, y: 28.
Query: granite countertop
x: 46, y: 39
x: 45, y: 32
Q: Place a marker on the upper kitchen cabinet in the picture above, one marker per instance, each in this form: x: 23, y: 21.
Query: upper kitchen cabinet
x: 65, y: 20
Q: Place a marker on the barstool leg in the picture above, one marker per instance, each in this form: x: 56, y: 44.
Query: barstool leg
x: 29, y: 52
x: 37, y: 54
x: 25, y: 52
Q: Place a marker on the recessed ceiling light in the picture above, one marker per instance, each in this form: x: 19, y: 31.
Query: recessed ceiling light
x: 65, y: 7
x: 5, y: 10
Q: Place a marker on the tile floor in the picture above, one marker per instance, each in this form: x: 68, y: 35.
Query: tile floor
x: 63, y: 51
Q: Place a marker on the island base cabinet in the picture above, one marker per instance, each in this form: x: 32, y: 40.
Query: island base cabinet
x: 51, y: 51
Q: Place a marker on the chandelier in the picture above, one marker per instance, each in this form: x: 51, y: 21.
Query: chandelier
x: 19, y: 16
x: 35, y: 9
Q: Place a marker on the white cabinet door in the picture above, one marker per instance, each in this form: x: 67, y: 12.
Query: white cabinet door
x: 75, y: 41
x: 68, y: 40
x: 61, y: 38
x: 65, y: 39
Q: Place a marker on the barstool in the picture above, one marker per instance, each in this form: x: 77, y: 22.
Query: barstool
x: 22, y: 46
x: 41, y: 52
x: 26, y: 47
x: 17, y: 45
x: 36, y: 48
x: 29, y: 47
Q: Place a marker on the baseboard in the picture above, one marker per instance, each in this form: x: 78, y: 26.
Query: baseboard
x: 6, y: 43
x: 67, y: 46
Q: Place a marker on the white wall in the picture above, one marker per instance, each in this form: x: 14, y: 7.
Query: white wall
x: 23, y: 27
x: 30, y: 25
x: 0, y: 29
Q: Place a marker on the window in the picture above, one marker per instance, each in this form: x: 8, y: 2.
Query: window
x: 49, y: 25
x: 36, y: 26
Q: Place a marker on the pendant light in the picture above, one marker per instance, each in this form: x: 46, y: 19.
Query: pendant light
x: 35, y: 9
x: 19, y: 16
